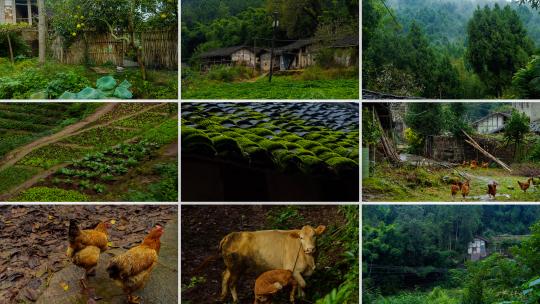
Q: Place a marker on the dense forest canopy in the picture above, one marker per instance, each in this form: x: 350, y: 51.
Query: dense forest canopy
x: 216, y: 23
x: 471, y: 49
x: 424, y: 246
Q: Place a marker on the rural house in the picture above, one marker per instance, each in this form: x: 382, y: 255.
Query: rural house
x: 16, y: 11
x: 492, y: 123
x: 347, y: 50
x: 234, y: 55
x: 477, y: 248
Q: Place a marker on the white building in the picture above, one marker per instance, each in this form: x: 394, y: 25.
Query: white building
x: 491, y: 123
x: 16, y: 11
x: 477, y: 249
x: 531, y: 109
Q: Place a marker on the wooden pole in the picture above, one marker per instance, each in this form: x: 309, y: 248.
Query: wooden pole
x: 275, y: 24
x: 42, y: 30
x: 473, y: 143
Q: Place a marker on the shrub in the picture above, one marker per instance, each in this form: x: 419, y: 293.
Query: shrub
x: 45, y: 194
x: 229, y: 74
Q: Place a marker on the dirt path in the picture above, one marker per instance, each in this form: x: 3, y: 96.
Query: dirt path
x: 14, y: 156
x: 20, y: 153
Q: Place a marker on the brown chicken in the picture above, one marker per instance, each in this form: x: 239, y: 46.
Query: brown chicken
x: 485, y: 165
x: 271, y: 282
x: 455, y: 188
x: 525, y: 185
x: 474, y: 164
x: 492, y: 189
x: 465, y: 189
x: 132, y: 269
x: 86, y: 245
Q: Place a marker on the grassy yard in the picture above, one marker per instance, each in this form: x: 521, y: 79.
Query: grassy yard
x: 26, y: 77
x: 223, y: 82
x: 431, y: 184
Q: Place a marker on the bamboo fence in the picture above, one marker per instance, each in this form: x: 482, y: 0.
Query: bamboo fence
x: 160, y: 49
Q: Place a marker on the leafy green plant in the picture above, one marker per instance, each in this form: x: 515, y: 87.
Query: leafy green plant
x: 107, y: 88
x: 45, y: 194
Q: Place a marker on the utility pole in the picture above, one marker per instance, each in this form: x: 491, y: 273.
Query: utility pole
x: 275, y: 24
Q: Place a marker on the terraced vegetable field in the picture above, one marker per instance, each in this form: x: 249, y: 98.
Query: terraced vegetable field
x: 90, y: 162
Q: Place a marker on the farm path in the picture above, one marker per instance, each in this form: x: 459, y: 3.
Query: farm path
x: 14, y: 156
x: 20, y: 153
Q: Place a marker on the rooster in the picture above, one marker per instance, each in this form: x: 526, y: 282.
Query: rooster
x: 492, y: 189
x: 474, y: 164
x: 455, y: 188
x: 465, y: 189
x: 132, y: 269
x: 525, y: 185
x: 86, y: 245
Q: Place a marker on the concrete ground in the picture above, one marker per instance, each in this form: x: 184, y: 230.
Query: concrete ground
x: 162, y: 287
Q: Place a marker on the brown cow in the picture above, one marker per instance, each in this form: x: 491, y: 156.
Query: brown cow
x: 260, y: 251
x: 271, y: 282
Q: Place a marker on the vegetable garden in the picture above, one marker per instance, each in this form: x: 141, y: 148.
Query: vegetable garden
x: 74, y: 64
x: 114, y: 156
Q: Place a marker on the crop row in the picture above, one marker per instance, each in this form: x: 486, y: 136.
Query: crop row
x: 14, y: 176
x: 101, y: 137
x: 124, y: 109
x: 143, y: 120
x: 51, y: 155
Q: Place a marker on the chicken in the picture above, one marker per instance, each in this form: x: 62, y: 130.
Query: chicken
x: 455, y: 188
x: 492, y: 189
x: 474, y: 164
x: 525, y: 185
x: 271, y: 282
x: 485, y: 165
x: 86, y: 245
x: 132, y: 269
x: 465, y: 189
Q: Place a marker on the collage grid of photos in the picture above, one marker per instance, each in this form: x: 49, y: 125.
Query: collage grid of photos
x: 450, y: 168
x: 193, y: 151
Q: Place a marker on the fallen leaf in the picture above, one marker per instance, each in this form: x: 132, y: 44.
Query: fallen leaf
x: 64, y: 286
x: 113, y: 222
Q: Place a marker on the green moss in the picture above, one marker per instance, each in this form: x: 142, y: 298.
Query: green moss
x: 307, y: 144
x: 313, y: 136
x: 259, y: 156
x: 312, y: 165
x: 292, y: 146
x: 205, y: 123
x: 327, y: 155
x: 232, y: 134
x: 342, y: 151
x: 199, y: 149
x: 262, y: 132
x: 216, y: 128
x: 304, y: 152
x: 196, y: 138
x: 288, y: 162
x: 185, y: 131
x: 291, y: 138
x: 343, y: 165
x: 354, y: 155
x: 253, y: 137
x: 227, y: 145
x: 245, y: 142
x: 272, y: 145
x: 318, y: 150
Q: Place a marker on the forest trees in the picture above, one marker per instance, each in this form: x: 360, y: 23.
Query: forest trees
x: 497, y: 46
x: 516, y: 128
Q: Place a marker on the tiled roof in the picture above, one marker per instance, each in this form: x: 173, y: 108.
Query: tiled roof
x: 313, y: 138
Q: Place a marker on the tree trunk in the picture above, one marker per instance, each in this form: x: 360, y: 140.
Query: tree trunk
x: 10, y: 49
x: 138, y: 51
x: 42, y: 29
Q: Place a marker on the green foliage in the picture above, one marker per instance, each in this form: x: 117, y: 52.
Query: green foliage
x: 14, y: 176
x: 106, y: 89
x: 230, y: 73
x: 526, y: 81
x: 497, y: 46
x: 164, y: 133
x: 166, y: 190
x: 516, y: 128
x: 282, y: 87
x: 45, y: 194
x: 284, y: 217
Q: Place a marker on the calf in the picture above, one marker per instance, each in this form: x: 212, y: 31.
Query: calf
x: 271, y: 282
